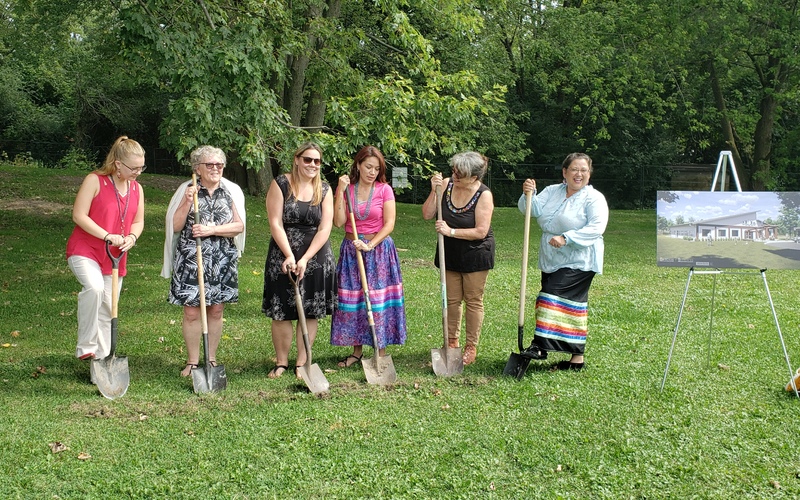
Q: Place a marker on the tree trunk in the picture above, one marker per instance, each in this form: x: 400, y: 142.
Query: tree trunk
x: 728, y: 133
x: 762, y: 148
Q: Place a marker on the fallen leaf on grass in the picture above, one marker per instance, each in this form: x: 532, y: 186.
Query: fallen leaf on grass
x: 161, y: 339
x: 256, y: 273
x: 446, y: 406
x: 558, y: 468
x: 723, y: 367
x: 84, y: 456
x: 39, y: 370
x: 57, y: 447
x: 751, y: 326
x: 15, y: 333
x: 330, y: 370
x: 491, y: 486
x: 775, y: 484
x: 142, y: 417
x: 172, y: 322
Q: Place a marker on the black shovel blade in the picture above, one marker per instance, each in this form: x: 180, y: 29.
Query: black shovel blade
x: 314, y: 378
x: 447, y: 361
x: 379, y: 370
x: 112, y: 376
x: 516, y: 366
x: 209, y: 379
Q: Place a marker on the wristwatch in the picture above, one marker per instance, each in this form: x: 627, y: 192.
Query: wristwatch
x: 452, y: 232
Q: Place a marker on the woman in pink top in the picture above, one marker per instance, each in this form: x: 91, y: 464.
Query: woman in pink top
x: 109, y: 207
x: 375, y: 215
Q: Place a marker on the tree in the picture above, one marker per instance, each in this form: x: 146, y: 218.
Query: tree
x: 256, y: 78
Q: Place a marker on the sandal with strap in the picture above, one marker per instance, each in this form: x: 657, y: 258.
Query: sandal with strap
x: 187, y: 370
x: 274, y: 372
x: 345, y: 363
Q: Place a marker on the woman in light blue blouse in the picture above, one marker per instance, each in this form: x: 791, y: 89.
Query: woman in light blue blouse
x: 573, y: 217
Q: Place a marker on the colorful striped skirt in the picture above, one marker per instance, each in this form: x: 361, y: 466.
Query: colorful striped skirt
x: 561, y: 311
x: 349, y: 325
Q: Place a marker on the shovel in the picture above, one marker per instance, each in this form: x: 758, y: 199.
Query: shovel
x: 209, y: 378
x: 111, y: 373
x: 380, y: 369
x: 517, y: 363
x: 446, y: 361
x: 311, y: 374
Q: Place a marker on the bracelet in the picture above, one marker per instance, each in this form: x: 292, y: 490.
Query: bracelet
x: 105, y: 238
x: 135, y: 239
x: 452, y: 232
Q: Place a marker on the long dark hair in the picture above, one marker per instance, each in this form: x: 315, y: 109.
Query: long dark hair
x: 362, y: 155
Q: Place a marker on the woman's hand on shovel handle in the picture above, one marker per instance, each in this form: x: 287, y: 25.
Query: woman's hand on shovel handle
x: 289, y: 265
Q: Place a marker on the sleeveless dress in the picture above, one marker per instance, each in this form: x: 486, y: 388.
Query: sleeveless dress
x: 220, y: 256
x: 300, y: 221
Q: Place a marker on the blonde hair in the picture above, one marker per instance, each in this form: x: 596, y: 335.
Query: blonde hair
x: 317, y: 182
x: 123, y: 148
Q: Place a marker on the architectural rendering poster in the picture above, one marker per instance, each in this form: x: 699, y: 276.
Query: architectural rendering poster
x: 728, y: 229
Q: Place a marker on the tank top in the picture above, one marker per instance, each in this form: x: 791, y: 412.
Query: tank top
x: 108, y: 212
x: 465, y: 256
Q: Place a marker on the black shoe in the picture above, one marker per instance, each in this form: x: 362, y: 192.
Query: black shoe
x: 568, y: 365
x: 533, y: 352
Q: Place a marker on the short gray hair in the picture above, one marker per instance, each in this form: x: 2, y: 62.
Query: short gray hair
x: 201, y: 153
x: 470, y: 163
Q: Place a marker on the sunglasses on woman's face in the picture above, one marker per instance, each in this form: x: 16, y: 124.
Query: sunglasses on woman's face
x: 309, y: 160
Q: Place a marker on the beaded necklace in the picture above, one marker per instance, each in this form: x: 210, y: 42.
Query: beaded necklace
x: 363, y: 216
x: 122, y: 214
x: 471, y: 203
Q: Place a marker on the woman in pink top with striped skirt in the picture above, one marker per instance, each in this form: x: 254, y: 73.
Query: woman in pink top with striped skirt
x: 374, y: 212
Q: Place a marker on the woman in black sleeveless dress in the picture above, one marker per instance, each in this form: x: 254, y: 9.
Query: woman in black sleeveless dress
x: 300, y: 210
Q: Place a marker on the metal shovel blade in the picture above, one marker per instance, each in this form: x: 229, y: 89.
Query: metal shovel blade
x: 447, y: 361
x: 112, y: 376
x: 379, y: 370
x: 516, y: 366
x: 209, y: 379
x: 314, y: 378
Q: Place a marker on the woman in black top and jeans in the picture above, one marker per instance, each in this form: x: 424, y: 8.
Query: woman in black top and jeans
x: 467, y: 207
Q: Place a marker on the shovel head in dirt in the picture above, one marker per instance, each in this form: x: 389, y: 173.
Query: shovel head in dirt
x: 314, y: 378
x: 447, y: 361
x: 516, y: 366
x: 209, y: 379
x: 112, y: 376
x: 379, y: 370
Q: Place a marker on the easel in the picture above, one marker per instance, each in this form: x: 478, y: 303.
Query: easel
x: 725, y: 159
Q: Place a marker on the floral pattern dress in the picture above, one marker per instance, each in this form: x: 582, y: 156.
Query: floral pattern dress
x: 300, y: 221
x: 220, y: 256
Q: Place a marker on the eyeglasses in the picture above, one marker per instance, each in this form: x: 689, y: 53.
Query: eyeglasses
x: 309, y: 160
x: 138, y: 170
x: 213, y: 166
x: 583, y: 171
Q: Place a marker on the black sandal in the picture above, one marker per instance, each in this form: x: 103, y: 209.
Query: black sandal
x: 343, y: 362
x: 533, y: 352
x: 273, y: 374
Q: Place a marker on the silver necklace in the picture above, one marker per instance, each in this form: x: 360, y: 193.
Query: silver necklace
x: 363, y: 216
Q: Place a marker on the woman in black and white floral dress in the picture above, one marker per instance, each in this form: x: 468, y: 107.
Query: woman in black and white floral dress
x: 221, y: 229
x: 300, y: 210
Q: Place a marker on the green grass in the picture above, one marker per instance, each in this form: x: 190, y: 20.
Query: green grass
x: 722, y: 428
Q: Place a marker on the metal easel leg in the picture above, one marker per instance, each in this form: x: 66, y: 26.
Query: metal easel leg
x: 677, y: 325
x: 711, y: 319
x: 780, y: 335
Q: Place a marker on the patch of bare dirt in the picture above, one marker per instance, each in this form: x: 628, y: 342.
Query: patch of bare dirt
x: 34, y: 205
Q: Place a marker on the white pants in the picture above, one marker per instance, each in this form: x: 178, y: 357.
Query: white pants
x: 94, y: 307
